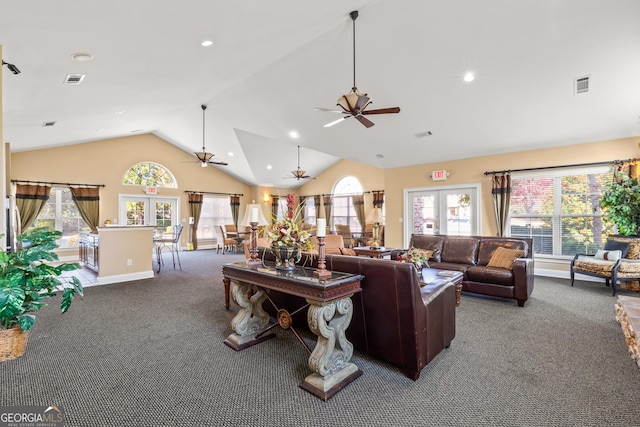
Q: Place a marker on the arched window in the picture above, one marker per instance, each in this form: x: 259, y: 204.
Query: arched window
x: 343, y: 210
x: 152, y: 174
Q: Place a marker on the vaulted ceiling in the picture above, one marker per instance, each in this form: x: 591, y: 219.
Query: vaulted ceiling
x: 272, y: 62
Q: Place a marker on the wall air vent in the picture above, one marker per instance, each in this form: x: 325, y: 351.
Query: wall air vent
x: 581, y: 84
x: 73, y: 79
x: 48, y: 124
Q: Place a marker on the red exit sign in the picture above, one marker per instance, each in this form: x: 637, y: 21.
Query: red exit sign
x: 440, y: 175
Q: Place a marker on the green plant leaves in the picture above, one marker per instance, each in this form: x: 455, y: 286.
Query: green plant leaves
x: 621, y: 202
x: 27, y: 280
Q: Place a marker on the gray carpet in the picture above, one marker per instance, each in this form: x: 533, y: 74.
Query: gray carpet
x: 151, y: 353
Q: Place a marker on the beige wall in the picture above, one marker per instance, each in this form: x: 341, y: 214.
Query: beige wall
x: 467, y: 171
x: 106, y: 161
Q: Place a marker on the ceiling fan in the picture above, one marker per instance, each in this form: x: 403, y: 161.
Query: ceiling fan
x: 354, y: 104
x: 299, y: 174
x: 203, y: 156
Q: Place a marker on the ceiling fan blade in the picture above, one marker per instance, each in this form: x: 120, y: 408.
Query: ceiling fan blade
x: 218, y: 163
x: 328, y: 110
x: 362, y: 103
x: 383, y: 111
x: 335, y: 122
x: 368, y: 123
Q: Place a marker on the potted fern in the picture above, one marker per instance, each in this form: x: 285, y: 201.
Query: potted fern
x: 27, y: 280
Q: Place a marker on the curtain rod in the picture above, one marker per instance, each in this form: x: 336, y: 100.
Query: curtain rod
x: 345, y: 194
x: 212, y: 192
x: 22, y: 181
x: 614, y: 162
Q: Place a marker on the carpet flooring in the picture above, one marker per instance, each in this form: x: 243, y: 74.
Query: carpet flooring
x: 151, y: 353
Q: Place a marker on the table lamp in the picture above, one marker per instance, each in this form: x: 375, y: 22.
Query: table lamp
x: 375, y: 217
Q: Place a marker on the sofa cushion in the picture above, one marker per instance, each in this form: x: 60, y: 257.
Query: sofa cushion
x: 460, y: 250
x: 634, y: 245
x: 347, y: 251
x: 503, y: 258
x: 593, y: 265
x: 617, y: 245
x: 486, y: 274
x: 430, y: 243
x: 608, y: 255
x: 488, y: 246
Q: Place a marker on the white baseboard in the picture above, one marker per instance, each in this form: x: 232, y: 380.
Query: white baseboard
x: 559, y: 274
x: 125, y: 277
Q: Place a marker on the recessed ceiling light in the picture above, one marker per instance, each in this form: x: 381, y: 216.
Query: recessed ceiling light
x: 230, y: 154
x: 269, y: 167
x: 206, y: 43
x: 379, y: 156
x: 82, y: 56
x: 469, y: 77
x: 294, y: 135
x: 119, y: 112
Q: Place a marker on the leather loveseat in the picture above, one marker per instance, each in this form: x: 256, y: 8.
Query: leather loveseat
x: 394, y: 318
x: 472, y: 255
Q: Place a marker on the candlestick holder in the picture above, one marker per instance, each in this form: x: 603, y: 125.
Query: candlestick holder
x: 253, y: 247
x: 322, y: 271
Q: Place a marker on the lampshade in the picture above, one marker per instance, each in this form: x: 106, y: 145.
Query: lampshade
x: 246, y: 220
x: 375, y: 216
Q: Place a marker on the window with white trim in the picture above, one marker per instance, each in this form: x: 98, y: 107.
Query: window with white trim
x: 343, y: 211
x: 61, y: 213
x: 560, y: 210
x: 216, y: 210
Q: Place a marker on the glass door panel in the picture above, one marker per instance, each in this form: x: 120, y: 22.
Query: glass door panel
x: 156, y: 211
x: 425, y: 213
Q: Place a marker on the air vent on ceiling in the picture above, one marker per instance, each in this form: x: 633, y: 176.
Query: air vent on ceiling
x: 581, y: 84
x: 73, y: 79
x: 48, y: 124
x: 423, y: 134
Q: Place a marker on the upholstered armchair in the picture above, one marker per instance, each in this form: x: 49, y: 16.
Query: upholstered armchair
x: 609, y: 264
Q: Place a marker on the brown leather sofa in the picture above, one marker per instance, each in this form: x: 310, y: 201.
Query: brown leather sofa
x: 471, y: 254
x: 394, y: 318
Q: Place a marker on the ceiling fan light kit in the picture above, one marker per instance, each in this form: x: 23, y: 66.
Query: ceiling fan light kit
x: 354, y: 104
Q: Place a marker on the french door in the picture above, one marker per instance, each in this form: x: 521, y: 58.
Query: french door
x: 156, y: 211
x: 443, y: 210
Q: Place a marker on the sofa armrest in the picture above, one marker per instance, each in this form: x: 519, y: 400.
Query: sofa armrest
x: 522, y: 279
x: 396, y: 252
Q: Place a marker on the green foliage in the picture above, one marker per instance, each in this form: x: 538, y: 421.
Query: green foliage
x: 27, y: 281
x: 621, y: 201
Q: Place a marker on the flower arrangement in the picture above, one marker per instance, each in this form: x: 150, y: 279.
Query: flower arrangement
x: 288, y: 232
x: 418, y: 257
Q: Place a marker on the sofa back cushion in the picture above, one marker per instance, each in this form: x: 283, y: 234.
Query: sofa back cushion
x: 430, y: 243
x: 488, y: 246
x: 460, y: 250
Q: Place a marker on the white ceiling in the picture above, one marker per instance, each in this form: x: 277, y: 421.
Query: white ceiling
x: 273, y: 61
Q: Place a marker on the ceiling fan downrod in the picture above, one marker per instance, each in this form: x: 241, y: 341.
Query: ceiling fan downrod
x: 354, y: 16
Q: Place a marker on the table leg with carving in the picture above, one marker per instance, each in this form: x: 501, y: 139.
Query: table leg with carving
x: 329, y: 360
x: 227, y: 285
x: 251, y: 319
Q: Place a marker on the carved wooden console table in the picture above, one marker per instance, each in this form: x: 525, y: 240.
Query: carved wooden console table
x: 329, y: 315
x: 628, y: 316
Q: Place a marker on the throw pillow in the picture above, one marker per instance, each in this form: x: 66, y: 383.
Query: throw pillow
x: 617, y: 245
x: 608, y: 255
x: 347, y: 251
x: 503, y: 258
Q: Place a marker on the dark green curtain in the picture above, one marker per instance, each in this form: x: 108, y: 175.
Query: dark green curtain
x: 378, y: 199
x: 87, y: 199
x: 195, y: 208
x: 358, y: 205
x: 501, y: 193
x: 328, y: 203
x: 30, y: 199
x: 235, y: 208
x: 275, y: 204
